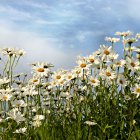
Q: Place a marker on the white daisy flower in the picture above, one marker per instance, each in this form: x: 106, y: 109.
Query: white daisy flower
x: 94, y: 81
x: 108, y: 74
x: 120, y: 63
x: 124, y: 34
x: 121, y: 80
x: 18, y: 103
x: 136, y: 90
x: 82, y: 63
x: 41, y: 69
x: 38, y: 117
x: 36, y: 123
x: 132, y: 64
x: 4, y: 80
x: 112, y: 39
x: 105, y: 52
x: 16, y: 115
x: 21, y: 130
x: 5, y: 97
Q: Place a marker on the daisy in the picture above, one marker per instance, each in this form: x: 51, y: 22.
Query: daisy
x: 69, y: 76
x: 36, y: 123
x: 82, y: 63
x: 16, y: 115
x: 20, y: 52
x: 138, y: 35
x: 105, y: 52
x: 112, y: 39
x: 121, y: 80
x: 130, y: 40
x: 124, y: 34
x: 59, y: 75
x: 132, y: 64
x: 120, y: 63
x: 94, y: 81
x: 8, y: 51
x: 38, y: 117
x: 42, y: 69
x: 21, y: 130
x: 18, y: 103
x: 77, y: 71
x: 4, y: 80
x: 30, y: 91
x: 65, y: 94
x: 108, y: 74
x: 136, y: 90
x: 113, y: 56
x: 93, y: 60
x: 5, y: 97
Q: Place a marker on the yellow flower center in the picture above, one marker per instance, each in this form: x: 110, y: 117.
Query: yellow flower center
x: 132, y: 64
x: 91, y: 60
x: 18, y: 105
x: 118, y: 63
x: 62, y: 82
x: 5, y: 97
x: 69, y: 77
x: 83, y: 65
x: 108, y: 74
x: 93, y: 81
x: 77, y: 72
x: 35, y: 80
x: 40, y: 70
x: 58, y: 77
x: 106, y: 52
x: 138, y: 90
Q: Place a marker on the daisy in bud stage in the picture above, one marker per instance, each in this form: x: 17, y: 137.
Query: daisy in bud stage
x: 90, y: 123
x: 20, y: 52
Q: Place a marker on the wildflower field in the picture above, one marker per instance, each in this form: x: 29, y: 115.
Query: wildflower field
x: 99, y: 99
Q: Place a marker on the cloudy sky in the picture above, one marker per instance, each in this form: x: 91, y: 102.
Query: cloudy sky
x: 57, y: 31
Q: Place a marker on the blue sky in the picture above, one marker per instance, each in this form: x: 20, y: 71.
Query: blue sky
x: 57, y: 31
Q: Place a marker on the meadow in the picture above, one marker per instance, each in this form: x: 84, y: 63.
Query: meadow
x: 99, y: 99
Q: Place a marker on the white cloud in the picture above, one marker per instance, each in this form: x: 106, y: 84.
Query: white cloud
x: 37, y: 48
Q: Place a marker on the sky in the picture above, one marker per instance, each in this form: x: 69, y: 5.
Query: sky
x: 57, y: 31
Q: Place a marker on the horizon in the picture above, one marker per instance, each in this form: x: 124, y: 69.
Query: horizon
x: 58, y: 31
